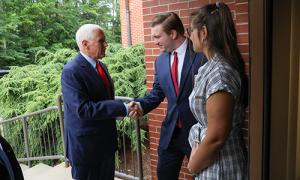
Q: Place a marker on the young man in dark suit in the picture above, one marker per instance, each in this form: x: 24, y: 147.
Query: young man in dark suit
x: 90, y: 110
x: 174, y: 72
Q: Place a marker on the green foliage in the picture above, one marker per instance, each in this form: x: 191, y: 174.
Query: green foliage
x: 32, y: 88
x: 127, y: 69
x: 29, y: 26
x: 10, y: 51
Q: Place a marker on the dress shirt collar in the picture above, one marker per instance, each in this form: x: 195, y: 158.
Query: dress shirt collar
x: 182, y: 48
x: 89, y: 59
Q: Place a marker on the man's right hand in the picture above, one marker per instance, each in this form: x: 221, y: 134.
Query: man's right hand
x: 135, y: 110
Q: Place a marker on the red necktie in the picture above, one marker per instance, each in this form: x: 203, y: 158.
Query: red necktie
x: 175, y: 72
x: 104, y: 78
x: 175, y: 81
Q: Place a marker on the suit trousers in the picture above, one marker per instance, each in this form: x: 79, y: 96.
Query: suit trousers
x: 103, y: 171
x: 170, y: 159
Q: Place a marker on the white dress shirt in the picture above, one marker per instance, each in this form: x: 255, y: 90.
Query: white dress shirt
x: 181, y: 50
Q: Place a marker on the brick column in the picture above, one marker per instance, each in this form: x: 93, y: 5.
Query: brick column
x: 136, y: 19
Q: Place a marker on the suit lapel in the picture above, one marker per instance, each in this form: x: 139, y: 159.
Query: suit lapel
x: 109, y: 79
x: 167, y: 69
x: 87, y: 66
x: 90, y: 70
x: 186, y: 69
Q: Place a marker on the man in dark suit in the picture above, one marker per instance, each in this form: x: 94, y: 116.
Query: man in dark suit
x: 9, y: 166
x: 174, y: 72
x: 90, y: 110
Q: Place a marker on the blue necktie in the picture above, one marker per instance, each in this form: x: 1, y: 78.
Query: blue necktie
x: 5, y: 161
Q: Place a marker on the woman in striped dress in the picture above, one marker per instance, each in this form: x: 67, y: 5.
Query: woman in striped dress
x: 218, y: 98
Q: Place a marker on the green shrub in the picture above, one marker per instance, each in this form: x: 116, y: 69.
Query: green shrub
x: 127, y: 69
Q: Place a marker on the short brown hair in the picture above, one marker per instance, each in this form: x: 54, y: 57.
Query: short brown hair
x: 169, y: 21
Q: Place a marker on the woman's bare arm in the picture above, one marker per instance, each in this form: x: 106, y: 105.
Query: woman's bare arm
x: 219, y: 107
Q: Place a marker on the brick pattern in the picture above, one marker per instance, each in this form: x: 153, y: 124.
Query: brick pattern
x: 183, y: 8
x: 136, y: 17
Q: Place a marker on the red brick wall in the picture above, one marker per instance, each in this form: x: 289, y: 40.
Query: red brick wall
x: 183, y: 8
x: 136, y: 19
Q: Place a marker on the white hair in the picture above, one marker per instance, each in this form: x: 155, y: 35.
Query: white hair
x: 85, y: 32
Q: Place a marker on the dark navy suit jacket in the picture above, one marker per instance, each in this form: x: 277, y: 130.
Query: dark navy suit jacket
x: 16, y: 169
x: 177, y: 105
x: 90, y: 112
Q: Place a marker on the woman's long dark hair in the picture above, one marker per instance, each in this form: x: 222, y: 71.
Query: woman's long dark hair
x: 221, y: 38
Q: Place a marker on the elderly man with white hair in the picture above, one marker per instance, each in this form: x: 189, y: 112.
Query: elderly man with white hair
x: 90, y: 110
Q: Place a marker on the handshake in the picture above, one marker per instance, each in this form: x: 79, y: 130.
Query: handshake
x: 135, y: 110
